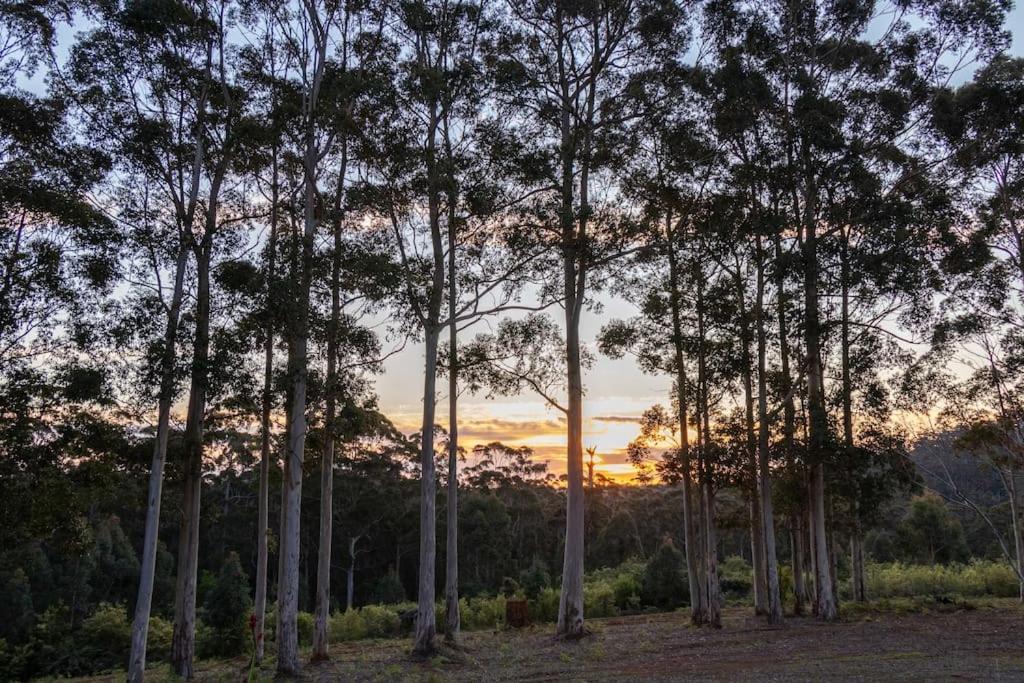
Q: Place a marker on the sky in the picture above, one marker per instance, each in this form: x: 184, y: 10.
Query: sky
x: 616, y: 392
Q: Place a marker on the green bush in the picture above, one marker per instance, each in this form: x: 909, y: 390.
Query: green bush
x: 599, y: 599
x: 535, y: 578
x: 305, y: 625
x: 980, y: 577
x: 735, y: 577
x: 389, y: 589
x: 158, y: 643
x: 371, y: 621
x: 482, y: 613
x: 105, y: 637
x: 627, y: 591
x: 226, y: 609
x: 664, y: 582
x: 545, y: 607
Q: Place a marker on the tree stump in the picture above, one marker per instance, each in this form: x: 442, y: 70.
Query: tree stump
x: 517, y: 613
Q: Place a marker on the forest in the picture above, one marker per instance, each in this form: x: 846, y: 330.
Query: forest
x: 223, y: 221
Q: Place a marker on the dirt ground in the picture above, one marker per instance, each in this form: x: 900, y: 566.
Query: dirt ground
x: 986, y: 643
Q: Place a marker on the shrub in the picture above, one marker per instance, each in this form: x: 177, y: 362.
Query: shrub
x: 535, y: 578
x: 482, y: 613
x: 372, y: 621
x: 305, y: 625
x: 736, y: 577
x: 545, y: 607
x: 664, y: 582
x: 226, y: 609
x: 105, y: 637
x: 389, y: 589
x: 599, y: 599
x: 158, y: 643
x: 980, y: 577
x: 627, y: 591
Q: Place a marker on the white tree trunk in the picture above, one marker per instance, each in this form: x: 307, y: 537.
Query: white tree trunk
x: 426, y: 627
x: 147, y: 569
x: 570, y: 607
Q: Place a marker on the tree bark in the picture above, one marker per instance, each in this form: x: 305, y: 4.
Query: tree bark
x: 184, y: 635
x: 818, y: 433
x: 693, y: 568
x: 147, y: 569
x: 757, y: 550
x: 774, y: 596
x: 263, y: 504
x: 451, y: 586
x: 426, y: 627
x: 288, y: 599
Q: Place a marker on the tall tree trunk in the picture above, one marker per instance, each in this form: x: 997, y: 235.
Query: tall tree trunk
x: 714, y: 614
x: 757, y: 550
x: 797, y: 543
x: 570, y: 611
x: 451, y: 577
x: 690, y: 535
x: 263, y: 504
x: 774, y: 596
x: 184, y: 636
x: 323, y: 575
x: 789, y: 431
x: 350, y: 579
x: 426, y: 627
x: 147, y: 569
x: 288, y: 599
x: 818, y: 432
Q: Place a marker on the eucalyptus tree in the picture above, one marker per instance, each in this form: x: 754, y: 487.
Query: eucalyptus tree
x: 984, y: 314
x: 849, y: 103
x: 308, y: 31
x: 422, y: 183
x: 154, y: 86
x: 567, y: 74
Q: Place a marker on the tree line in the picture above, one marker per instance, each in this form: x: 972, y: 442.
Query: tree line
x: 221, y: 217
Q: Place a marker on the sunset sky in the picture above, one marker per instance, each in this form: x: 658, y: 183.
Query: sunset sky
x: 616, y: 394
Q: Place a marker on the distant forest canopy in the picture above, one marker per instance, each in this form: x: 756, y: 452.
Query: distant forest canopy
x: 221, y: 217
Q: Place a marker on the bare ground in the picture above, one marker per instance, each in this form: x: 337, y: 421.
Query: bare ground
x: 986, y: 643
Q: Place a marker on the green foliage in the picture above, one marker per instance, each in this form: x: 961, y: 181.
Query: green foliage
x: 978, y: 578
x: 930, y: 533
x: 534, y: 578
x: 735, y: 576
x: 305, y: 623
x: 664, y: 581
x: 105, y: 636
x: 226, y: 609
x: 389, y: 589
x: 372, y: 621
x: 482, y: 613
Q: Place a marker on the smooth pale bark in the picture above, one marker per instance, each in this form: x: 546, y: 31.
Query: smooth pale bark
x: 263, y: 504
x: 757, y: 550
x: 323, y: 574
x: 857, y: 560
x: 426, y: 627
x: 350, y: 579
x: 818, y: 427
x: 694, y: 572
x: 184, y: 635
x: 714, y: 614
x: 451, y: 575
x: 774, y: 596
x: 799, y: 585
x: 712, y: 591
x: 147, y: 568
x: 570, y: 606
x: 288, y: 599
x: 789, y: 431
